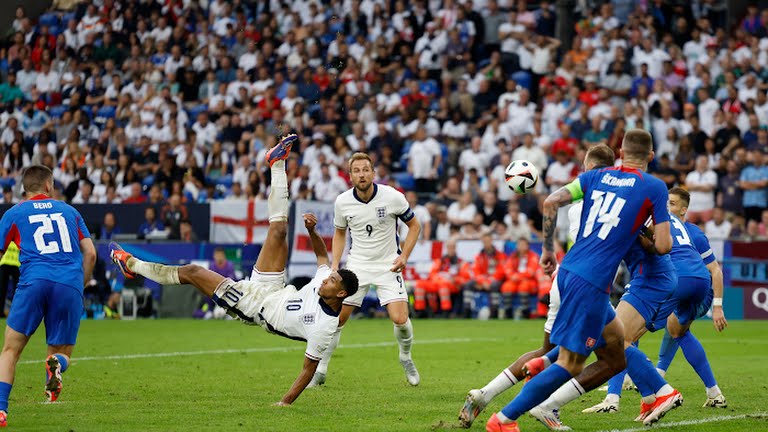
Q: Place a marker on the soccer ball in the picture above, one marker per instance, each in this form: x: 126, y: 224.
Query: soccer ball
x: 521, y: 176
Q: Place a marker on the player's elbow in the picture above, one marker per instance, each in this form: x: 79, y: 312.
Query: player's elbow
x: 663, y: 245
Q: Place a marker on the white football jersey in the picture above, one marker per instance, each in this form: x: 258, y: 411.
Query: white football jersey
x: 372, y: 225
x: 574, y: 220
x: 302, y: 315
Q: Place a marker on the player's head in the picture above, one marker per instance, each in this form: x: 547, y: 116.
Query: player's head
x: 678, y: 202
x: 361, y: 171
x: 599, y: 155
x: 339, y: 284
x: 637, y: 146
x: 37, y: 179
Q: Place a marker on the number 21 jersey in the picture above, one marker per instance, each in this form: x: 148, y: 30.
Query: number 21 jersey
x: 48, y: 233
x: 617, y: 202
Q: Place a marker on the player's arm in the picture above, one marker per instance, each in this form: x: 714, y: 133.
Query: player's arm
x: 318, y: 244
x: 563, y: 196
x: 718, y: 316
x: 307, y: 371
x: 414, y: 228
x: 339, y: 236
x: 89, y: 258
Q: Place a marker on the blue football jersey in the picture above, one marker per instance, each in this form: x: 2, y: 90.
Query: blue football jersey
x: 685, y: 256
x: 617, y: 202
x: 48, y: 233
x: 701, y: 243
x: 641, y: 262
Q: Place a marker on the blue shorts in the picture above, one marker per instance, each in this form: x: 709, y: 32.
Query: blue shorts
x: 694, y: 298
x: 653, y: 296
x: 61, y: 306
x: 584, y: 311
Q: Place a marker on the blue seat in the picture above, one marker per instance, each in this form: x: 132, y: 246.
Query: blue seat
x: 88, y: 110
x: 54, y: 30
x: 405, y: 180
x: 48, y: 19
x: 57, y: 111
x: 103, y: 114
x: 194, y: 111
x: 522, y: 78
x: 67, y: 17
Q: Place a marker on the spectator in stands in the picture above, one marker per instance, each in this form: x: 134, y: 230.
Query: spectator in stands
x: 487, y: 273
x: 328, y: 187
x: 447, y: 276
x: 442, y: 225
x: 422, y: 215
x: 151, y: 225
x: 702, y: 184
x: 521, y: 282
x: 754, y: 182
x: 108, y: 227
x: 84, y: 193
x: 424, y: 161
x: 173, y: 214
x: 730, y: 192
x: 489, y: 209
x: 462, y: 211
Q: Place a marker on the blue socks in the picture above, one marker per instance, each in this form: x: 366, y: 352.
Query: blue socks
x: 552, y: 355
x: 5, y: 392
x: 616, y: 383
x: 643, y: 374
x: 696, y: 356
x: 667, y: 352
x: 537, y: 391
x: 62, y: 361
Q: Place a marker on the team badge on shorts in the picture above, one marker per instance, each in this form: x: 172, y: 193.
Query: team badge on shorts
x: 308, y: 319
x: 590, y: 342
x: 381, y: 213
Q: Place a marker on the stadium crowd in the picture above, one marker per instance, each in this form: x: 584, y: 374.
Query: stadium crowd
x: 172, y: 101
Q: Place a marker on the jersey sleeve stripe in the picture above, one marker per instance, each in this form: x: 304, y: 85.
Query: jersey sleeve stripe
x: 707, y: 254
x: 80, y: 235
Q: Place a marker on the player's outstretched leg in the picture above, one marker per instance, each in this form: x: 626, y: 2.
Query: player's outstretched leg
x: 398, y: 313
x: 55, y: 365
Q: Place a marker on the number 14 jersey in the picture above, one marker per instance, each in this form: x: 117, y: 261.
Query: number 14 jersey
x: 48, y: 234
x: 617, y: 202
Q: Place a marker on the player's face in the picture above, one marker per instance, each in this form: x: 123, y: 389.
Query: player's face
x: 676, y: 206
x: 361, y: 175
x: 331, y: 286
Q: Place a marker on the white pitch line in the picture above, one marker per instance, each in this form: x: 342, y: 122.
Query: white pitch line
x: 261, y: 350
x: 692, y: 422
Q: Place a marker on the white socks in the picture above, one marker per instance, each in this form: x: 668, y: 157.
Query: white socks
x: 322, y: 366
x: 612, y: 398
x: 277, y: 203
x: 162, y: 274
x: 565, y: 394
x: 503, y: 382
x: 667, y: 389
x: 713, y: 392
x: 404, y: 336
x: 547, y: 362
x: 661, y: 372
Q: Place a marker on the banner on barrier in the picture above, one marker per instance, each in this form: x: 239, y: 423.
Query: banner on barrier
x: 302, y: 245
x: 239, y: 221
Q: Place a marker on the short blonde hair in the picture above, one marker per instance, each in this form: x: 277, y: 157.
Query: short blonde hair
x: 360, y: 156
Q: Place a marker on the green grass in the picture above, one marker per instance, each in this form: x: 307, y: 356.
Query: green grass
x: 366, y: 388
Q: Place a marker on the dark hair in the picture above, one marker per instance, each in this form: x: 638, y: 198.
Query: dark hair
x: 35, y: 178
x: 349, y: 281
x: 682, y: 193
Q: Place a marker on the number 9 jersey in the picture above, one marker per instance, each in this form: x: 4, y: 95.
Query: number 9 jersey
x: 372, y: 225
x: 48, y: 233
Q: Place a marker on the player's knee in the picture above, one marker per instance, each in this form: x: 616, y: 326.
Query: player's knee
x: 676, y: 331
x: 189, y: 271
x: 399, y: 317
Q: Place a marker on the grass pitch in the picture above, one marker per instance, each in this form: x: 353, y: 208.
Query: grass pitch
x: 182, y: 375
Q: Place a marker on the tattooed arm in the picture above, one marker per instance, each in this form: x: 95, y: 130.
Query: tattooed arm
x: 559, y: 198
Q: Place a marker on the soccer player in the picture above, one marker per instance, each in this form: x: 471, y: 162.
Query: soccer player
x: 308, y: 314
x: 698, y: 273
x: 598, y: 156
x: 53, y: 275
x: 371, y: 213
x: 617, y: 201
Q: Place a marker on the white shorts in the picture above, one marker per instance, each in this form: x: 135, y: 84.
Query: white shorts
x: 245, y: 299
x: 554, y: 305
x: 389, y: 286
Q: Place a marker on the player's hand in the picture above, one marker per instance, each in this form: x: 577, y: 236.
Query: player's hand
x: 718, y: 318
x: 548, y: 261
x: 310, y: 221
x: 398, y: 264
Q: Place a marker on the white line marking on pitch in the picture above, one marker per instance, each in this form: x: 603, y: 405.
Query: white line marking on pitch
x: 262, y: 350
x: 692, y: 422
